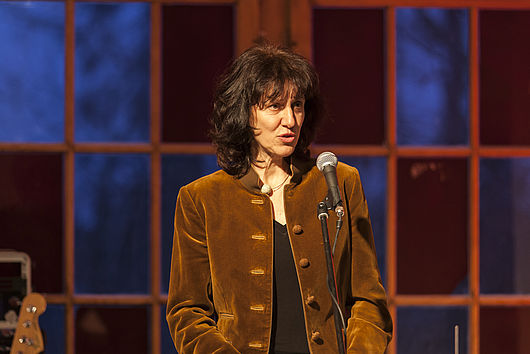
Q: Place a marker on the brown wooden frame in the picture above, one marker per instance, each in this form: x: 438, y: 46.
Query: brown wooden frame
x: 295, y: 29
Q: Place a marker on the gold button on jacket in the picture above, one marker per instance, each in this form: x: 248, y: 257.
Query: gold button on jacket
x: 223, y: 256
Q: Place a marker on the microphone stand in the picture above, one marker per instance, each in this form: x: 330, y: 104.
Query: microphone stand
x: 322, y: 213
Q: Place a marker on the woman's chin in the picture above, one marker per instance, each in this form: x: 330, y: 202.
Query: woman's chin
x: 285, y: 151
x: 277, y: 152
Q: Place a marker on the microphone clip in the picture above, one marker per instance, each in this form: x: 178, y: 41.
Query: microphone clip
x: 338, y: 209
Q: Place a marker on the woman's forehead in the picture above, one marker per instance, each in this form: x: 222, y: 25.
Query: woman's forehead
x: 283, y: 92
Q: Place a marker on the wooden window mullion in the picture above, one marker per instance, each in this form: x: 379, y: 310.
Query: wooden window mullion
x: 474, y: 187
x: 391, y: 215
x: 248, y: 24
x: 300, y: 24
x: 155, y: 190
x: 69, y: 182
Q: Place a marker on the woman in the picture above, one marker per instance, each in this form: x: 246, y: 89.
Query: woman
x: 248, y: 272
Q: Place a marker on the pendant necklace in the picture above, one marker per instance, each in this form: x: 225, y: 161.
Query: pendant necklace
x: 267, y: 189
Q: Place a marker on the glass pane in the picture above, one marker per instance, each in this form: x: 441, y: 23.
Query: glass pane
x: 52, y: 324
x: 110, y: 330
x: 505, y: 225
x: 348, y: 54
x: 111, y: 223
x: 32, y: 71
x: 31, y: 214
x: 504, y: 330
x: 166, y: 343
x: 177, y: 171
x: 373, y: 179
x: 432, y: 76
x: 112, y: 72
x: 432, y: 228
x: 197, y: 45
x: 504, y: 73
x: 431, y: 330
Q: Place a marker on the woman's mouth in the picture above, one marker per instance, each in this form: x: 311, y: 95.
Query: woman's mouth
x: 287, y: 138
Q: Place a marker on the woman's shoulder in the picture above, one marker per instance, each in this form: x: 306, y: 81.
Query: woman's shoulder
x: 346, y: 169
x: 343, y: 170
x: 207, y: 183
x: 348, y: 174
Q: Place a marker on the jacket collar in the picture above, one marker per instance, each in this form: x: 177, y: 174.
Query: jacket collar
x: 299, y: 167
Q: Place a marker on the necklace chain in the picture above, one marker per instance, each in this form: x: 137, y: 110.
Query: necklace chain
x: 268, y: 189
x: 274, y: 189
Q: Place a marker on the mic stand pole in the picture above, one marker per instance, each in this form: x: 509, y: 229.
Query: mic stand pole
x: 323, y: 217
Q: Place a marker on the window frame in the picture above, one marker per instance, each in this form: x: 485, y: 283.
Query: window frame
x: 297, y: 33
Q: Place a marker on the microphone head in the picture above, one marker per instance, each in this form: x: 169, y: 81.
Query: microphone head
x: 326, y: 158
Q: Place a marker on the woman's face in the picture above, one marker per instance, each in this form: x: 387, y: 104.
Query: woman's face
x: 277, y: 126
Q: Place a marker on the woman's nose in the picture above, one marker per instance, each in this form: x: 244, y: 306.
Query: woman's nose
x: 288, y: 117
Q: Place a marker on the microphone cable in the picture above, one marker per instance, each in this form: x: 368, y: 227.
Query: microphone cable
x: 335, y: 300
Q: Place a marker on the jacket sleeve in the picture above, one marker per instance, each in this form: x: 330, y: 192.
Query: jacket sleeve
x: 189, y: 306
x: 369, y: 328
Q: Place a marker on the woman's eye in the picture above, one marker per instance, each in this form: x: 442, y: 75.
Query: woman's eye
x: 298, y: 104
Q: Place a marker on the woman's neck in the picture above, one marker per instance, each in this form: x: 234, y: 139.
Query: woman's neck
x: 271, y: 171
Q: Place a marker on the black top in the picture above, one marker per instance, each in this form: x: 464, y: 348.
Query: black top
x: 288, y: 325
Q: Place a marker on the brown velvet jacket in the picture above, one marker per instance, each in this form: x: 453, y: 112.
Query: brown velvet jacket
x: 223, y: 256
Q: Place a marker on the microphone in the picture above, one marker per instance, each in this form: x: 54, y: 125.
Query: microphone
x: 327, y: 164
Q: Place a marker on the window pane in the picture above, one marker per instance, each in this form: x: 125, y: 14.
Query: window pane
x: 504, y: 226
x: 111, y: 223
x: 432, y: 242
x: 348, y: 54
x: 111, y: 330
x: 166, y: 343
x: 504, y: 75
x: 432, y: 76
x: 504, y: 330
x: 373, y: 178
x: 197, y: 45
x: 177, y: 171
x: 112, y: 72
x: 31, y: 214
x: 52, y: 324
x: 32, y: 71
x: 431, y: 329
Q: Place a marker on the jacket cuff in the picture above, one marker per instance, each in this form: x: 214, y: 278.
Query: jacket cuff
x: 365, y: 337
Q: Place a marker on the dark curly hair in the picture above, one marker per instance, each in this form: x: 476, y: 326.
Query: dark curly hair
x: 259, y: 75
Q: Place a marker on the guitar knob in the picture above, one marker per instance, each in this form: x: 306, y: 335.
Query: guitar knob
x: 25, y: 340
x: 26, y: 324
x: 11, y: 317
x: 31, y: 308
